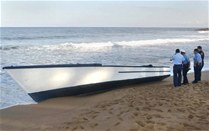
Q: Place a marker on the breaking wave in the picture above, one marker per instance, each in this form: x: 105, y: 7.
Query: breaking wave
x: 121, y: 44
x: 8, y: 47
x: 203, y: 32
x: 104, y: 45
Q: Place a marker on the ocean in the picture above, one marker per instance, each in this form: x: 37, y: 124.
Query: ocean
x: 112, y: 46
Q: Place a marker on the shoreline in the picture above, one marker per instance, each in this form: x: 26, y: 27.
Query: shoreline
x: 31, y: 103
x: 147, y: 106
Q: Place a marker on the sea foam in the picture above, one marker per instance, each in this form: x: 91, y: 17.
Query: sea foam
x: 109, y: 45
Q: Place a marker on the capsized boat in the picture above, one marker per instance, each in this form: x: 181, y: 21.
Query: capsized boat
x: 47, y: 81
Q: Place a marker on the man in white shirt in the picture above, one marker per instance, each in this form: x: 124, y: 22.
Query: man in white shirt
x: 186, y: 66
x: 177, y: 59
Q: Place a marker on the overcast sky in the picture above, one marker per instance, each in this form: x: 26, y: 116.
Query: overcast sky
x: 104, y: 13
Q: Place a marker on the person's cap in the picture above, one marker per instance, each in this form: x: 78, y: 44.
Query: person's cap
x: 183, y: 51
x: 177, y: 50
x: 196, y: 50
x: 199, y: 47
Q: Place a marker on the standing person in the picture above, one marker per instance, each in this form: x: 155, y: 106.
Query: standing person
x: 186, y: 66
x: 200, y: 51
x: 197, y: 66
x: 177, y: 68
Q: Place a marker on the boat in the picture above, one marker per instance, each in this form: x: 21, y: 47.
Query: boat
x: 42, y: 82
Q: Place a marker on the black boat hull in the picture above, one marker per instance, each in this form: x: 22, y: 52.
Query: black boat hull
x: 91, y: 88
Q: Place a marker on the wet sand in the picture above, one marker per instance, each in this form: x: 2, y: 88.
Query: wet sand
x: 155, y: 106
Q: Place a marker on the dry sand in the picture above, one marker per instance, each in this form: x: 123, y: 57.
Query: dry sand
x: 155, y: 106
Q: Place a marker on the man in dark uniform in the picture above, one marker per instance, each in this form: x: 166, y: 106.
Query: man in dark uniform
x: 202, y: 56
x: 197, y: 66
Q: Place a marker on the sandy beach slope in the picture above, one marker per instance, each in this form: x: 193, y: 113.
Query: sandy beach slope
x: 155, y: 106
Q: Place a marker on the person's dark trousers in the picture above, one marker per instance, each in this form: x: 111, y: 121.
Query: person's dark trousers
x: 185, y: 70
x: 177, y: 75
x: 197, y: 71
x: 201, y: 71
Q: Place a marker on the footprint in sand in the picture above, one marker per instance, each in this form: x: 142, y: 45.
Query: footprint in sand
x: 81, y: 127
x: 117, y: 123
x: 94, y: 116
x: 103, y: 108
x: 169, y: 110
x: 68, y: 123
x: 66, y: 127
x: 119, y: 118
x: 140, y: 123
x: 190, y: 116
x: 131, y: 105
x: 127, y: 111
x: 149, y: 117
x: 94, y: 125
x: 201, y: 117
x: 150, y: 122
x: 157, y: 116
x: 121, y: 113
x: 133, y: 130
x: 161, y: 123
x: 118, y: 115
x: 190, y: 126
x: 75, y: 128
x: 160, y: 104
x: 146, y: 109
x: 158, y: 110
x: 107, y: 118
x: 85, y: 119
x: 135, y: 114
x: 137, y: 108
x: 111, y: 109
x: 110, y: 112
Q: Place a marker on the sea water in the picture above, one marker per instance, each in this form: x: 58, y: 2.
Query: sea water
x: 108, y: 46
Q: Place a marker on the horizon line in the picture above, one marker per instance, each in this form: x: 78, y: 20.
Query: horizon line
x: 95, y: 27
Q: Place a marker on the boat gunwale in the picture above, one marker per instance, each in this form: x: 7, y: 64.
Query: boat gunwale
x: 79, y: 65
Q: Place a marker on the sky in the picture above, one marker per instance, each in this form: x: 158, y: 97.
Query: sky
x: 179, y: 13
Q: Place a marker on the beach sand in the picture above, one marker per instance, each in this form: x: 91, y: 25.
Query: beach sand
x: 155, y: 106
